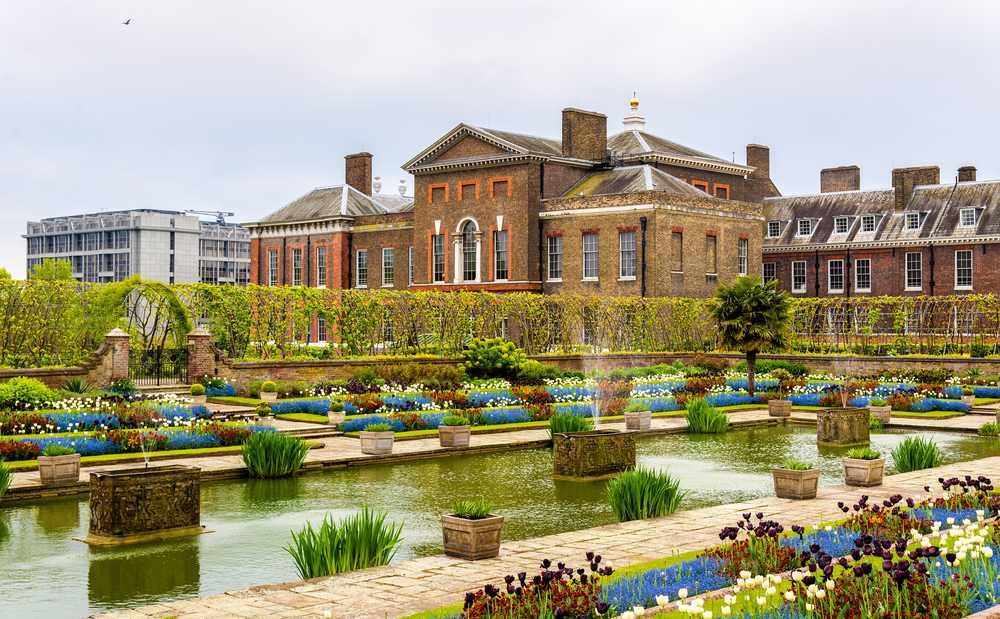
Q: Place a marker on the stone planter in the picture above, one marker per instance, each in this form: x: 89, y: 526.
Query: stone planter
x: 265, y: 422
x: 842, y: 426
x: 882, y: 413
x: 779, y: 408
x: 376, y: 443
x: 586, y: 456
x: 336, y: 417
x: 472, y: 539
x: 797, y: 485
x: 969, y: 400
x: 198, y: 400
x: 59, y: 469
x: 863, y: 472
x: 638, y: 420
x: 269, y: 396
x: 454, y: 436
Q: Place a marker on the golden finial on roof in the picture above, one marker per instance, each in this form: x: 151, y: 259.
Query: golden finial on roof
x: 634, y: 102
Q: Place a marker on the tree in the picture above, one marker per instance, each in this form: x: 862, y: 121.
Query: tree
x: 5, y: 274
x: 52, y: 270
x: 751, y: 317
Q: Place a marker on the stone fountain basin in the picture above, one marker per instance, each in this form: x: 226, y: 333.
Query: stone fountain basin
x: 593, y: 455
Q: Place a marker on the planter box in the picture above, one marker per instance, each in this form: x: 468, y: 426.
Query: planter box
x: 376, y: 443
x: 882, y: 413
x: 969, y: 399
x: 779, y: 408
x: 336, y: 417
x: 586, y: 456
x: 269, y: 396
x: 59, y: 469
x: 638, y: 420
x: 198, y: 400
x: 454, y: 436
x: 472, y: 539
x: 797, y: 485
x: 864, y: 473
x: 842, y: 426
x: 265, y: 422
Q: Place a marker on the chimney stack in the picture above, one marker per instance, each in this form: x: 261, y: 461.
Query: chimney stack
x: 967, y: 174
x: 359, y: 172
x: 759, y: 157
x: 584, y: 134
x: 844, y: 178
x: 905, y: 179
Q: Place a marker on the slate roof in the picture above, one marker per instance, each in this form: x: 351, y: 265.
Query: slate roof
x: 631, y: 179
x: 326, y: 202
x: 638, y: 142
x: 530, y: 143
x: 394, y: 203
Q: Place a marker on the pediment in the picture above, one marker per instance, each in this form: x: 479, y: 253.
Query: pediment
x: 463, y: 142
x: 470, y: 146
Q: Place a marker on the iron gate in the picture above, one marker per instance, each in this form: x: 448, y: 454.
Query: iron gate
x: 158, y: 366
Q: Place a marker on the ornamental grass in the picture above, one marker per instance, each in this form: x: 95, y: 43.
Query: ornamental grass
x: 356, y: 542
x: 561, y: 423
x: 644, y: 493
x: 6, y: 477
x: 273, y: 454
x: 916, y: 453
x: 703, y: 418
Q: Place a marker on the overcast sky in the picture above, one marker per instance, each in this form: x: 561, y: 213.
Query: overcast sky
x: 244, y: 106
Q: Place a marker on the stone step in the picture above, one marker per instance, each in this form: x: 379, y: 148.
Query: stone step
x: 307, y: 434
x: 982, y: 410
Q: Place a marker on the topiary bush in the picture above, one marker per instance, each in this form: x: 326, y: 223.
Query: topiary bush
x: 197, y: 389
x: 268, y: 386
x: 18, y: 393
x: 493, y: 358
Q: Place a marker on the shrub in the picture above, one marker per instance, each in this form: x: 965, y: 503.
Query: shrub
x: 768, y: 366
x: 538, y: 371
x: 644, y: 493
x: 431, y: 375
x: 197, y: 389
x: 273, y: 454
x: 874, y: 423
x: 268, y: 386
x: 473, y: 510
x: 211, y: 382
x: 455, y: 420
x: 864, y: 453
x: 988, y: 429
x: 410, y: 421
x: 877, y: 402
x: 263, y: 410
x: 6, y: 477
x: 968, y: 391
x: 227, y: 435
x: 540, y: 412
x: 916, y: 453
x: 77, y: 385
x: 795, y: 465
x: 561, y: 423
x: 356, y: 542
x: 493, y: 358
x: 532, y: 395
x: 18, y: 392
x: 709, y: 365
x: 336, y: 406
x: 124, y: 387
x: 702, y: 417
x: 19, y: 450
x: 574, y: 375
x: 53, y: 449
x: 378, y: 427
x: 367, y: 403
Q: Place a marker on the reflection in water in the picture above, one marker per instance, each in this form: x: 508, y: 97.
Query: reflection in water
x: 143, y: 574
x: 59, y: 516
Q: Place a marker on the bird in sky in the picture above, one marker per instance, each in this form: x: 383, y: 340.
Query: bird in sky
x: 125, y: 23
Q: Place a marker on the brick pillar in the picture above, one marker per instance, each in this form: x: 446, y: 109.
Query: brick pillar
x: 118, y: 341
x: 201, y: 358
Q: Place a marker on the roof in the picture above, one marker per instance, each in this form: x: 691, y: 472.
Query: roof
x: 341, y: 200
x: 631, y: 179
x: 393, y: 203
x: 530, y: 143
x: 637, y: 143
x: 512, y: 145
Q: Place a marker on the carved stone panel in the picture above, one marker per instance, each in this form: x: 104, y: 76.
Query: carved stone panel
x: 592, y: 455
x: 842, y: 426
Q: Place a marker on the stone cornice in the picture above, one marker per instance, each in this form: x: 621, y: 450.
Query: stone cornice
x: 887, y: 244
x: 692, y: 162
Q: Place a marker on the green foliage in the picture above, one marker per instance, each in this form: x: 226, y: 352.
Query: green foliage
x: 864, y: 453
x: 273, y: 454
x: 636, y: 408
x: 561, y: 423
x: 284, y: 388
x: 21, y: 390
x: 77, y: 385
x: 534, y: 370
x: 796, y: 465
x: 268, y: 386
x: 124, y: 387
x: 644, y: 493
x: 703, y: 418
x: 874, y: 423
x: 877, y: 402
x: 367, y: 376
x: 378, y: 427
x: 211, y: 382
x: 52, y: 270
x: 431, y: 375
x: 989, y: 429
x: 5, y: 274
x: 57, y: 450
x: 916, y: 453
x: 356, y: 542
x: 197, y: 389
x: 6, y: 477
x: 472, y: 509
x: 968, y: 391
x: 493, y: 358
x: 455, y: 420
x: 336, y: 406
x: 768, y: 366
x: 263, y: 410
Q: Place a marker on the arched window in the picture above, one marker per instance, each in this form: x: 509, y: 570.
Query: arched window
x: 470, y: 268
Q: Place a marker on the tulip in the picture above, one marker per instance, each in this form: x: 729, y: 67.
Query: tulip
x: 829, y: 585
x: 821, y: 594
x: 662, y: 600
x: 639, y: 611
x: 627, y: 615
x: 682, y: 593
x: 726, y: 610
x: 707, y: 614
x: 789, y: 596
x: 761, y: 601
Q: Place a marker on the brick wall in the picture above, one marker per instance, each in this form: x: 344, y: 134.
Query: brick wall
x: 844, y: 178
x: 359, y: 172
x: 469, y: 146
x: 584, y: 134
x: 558, y: 179
x: 905, y: 179
x: 719, y: 184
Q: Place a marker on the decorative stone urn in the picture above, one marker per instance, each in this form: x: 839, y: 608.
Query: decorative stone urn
x: 842, y: 426
x: 882, y: 413
x: 336, y: 417
x: 779, y: 408
x: 797, y: 485
x: 134, y: 505
x: 969, y: 400
x: 472, y: 539
x: 198, y: 400
x: 269, y: 396
x: 454, y: 436
x: 59, y: 469
x: 864, y: 473
x: 638, y: 420
x: 376, y: 443
x: 588, y: 456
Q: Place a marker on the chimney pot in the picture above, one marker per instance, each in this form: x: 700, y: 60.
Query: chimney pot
x: 759, y: 157
x: 844, y: 178
x: 584, y: 134
x: 905, y: 179
x: 358, y: 169
x: 967, y: 174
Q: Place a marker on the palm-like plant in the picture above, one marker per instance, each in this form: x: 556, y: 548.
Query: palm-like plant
x: 751, y: 317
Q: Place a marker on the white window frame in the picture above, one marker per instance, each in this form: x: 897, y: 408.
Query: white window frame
x: 411, y: 265
x: 623, y: 274
x: 742, y: 257
x: 805, y: 277
x: 865, y: 219
x: 908, y: 271
x: 968, y: 286
x: 769, y: 266
x: 858, y: 272
x: 388, y: 267
x: 297, y: 266
x: 809, y: 227
x: 596, y: 252
x: 555, y: 243
x: 961, y: 218
x: 773, y: 229
x: 911, y: 216
x: 357, y: 267
x: 272, y: 267
x: 321, y: 334
x: 496, y: 255
x: 829, y: 276
x: 837, y: 221
x: 321, y: 267
x: 437, y: 258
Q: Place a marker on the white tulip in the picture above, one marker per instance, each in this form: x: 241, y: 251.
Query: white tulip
x: 725, y: 610
x: 639, y: 611
x: 627, y: 615
x: 789, y: 596
x: 707, y: 614
x: 662, y: 600
x: 829, y: 585
x: 745, y: 574
x: 682, y: 593
x: 821, y: 594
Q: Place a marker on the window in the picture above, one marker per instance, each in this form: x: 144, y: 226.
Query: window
x: 868, y: 223
x: 722, y: 191
x: 805, y: 227
x: 863, y: 275
x: 769, y: 271
x: 171, y: 241
x: 742, y: 252
x: 296, y: 267
x: 321, y: 267
x: 773, y: 229
x: 555, y: 258
x: 411, y: 266
x: 272, y: 267
x: 362, y: 268
x: 626, y: 261
x: 321, y: 329
x: 967, y: 218
x: 914, y: 280
x: 799, y: 276
x: 963, y: 269
x: 470, y: 266
x: 500, y: 258
x: 589, y: 256
x: 841, y: 225
x: 912, y: 221
x: 437, y: 249
x: 835, y: 276
x: 387, y: 271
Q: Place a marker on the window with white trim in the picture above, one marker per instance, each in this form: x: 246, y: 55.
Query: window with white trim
x: 437, y: 249
x: 841, y: 225
x: 411, y: 265
x: 555, y: 257
x: 963, y: 269
x: 805, y: 227
x: 321, y: 329
x: 912, y: 221
x: 388, y: 271
x: 863, y: 275
x: 799, y: 276
x: 868, y: 223
x: 967, y: 218
x: 769, y: 270
x: 321, y: 266
x: 773, y: 229
x: 742, y: 255
x: 362, y: 268
x: 835, y: 276
x: 296, y: 267
x: 470, y: 265
x: 626, y: 260
x: 272, y: 267
x: 590, y: 256
x: 500, y: 255
x: 914, y: 271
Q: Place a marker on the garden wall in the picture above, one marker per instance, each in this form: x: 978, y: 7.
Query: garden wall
x: 105, y: 365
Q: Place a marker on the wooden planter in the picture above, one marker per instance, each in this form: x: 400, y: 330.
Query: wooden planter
x: 472, y: 539
x: 638, y: 420
x: 336, y: 417
x: 969, y: 399
x: 779, y: 408
x: 376, y: 443
x: 864, y: 473
x: 269, y: 396
x: 797, y: 485
x: 454, y: 436
x: 59, y: 469
x: 882, y: 413
x: 198, y: 400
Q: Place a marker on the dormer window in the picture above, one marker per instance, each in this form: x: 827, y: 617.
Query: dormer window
x: 967, y: 218
x: 868, y: 223
x: 912, y: 221
x: 841, y: 225
x: 805, y: 227
x: 773, y: 229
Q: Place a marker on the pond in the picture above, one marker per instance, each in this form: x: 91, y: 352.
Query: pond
x: 43, y: 573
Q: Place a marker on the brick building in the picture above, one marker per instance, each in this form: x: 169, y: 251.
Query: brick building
x: 918, y: 237
x: 631, y: 214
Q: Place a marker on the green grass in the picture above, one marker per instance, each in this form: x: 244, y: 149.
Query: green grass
x: 928, y: 415
x: 916, y: 453
x: 273, y: 454
x: 561, y: 423
x: 356, y: 542
x: 703, y: 418
x: 644, y: 493
x: 6, y: 476
x: 306, y: 417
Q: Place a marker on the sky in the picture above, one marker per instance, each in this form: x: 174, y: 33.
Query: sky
x: 244, y: 106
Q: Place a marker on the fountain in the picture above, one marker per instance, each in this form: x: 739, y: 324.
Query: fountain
x: 588, y: 456
x: 846, y: 425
